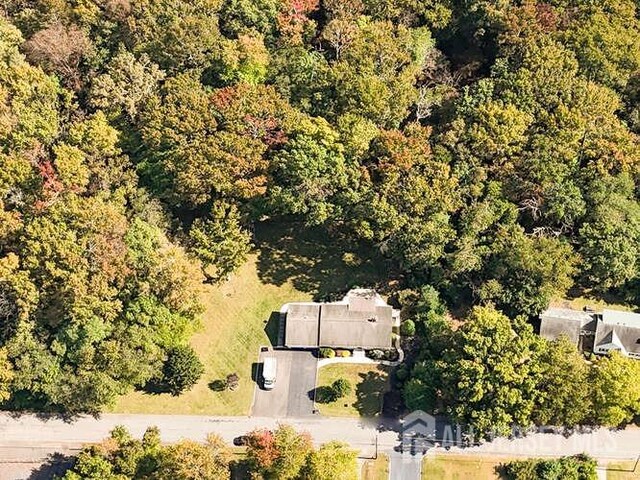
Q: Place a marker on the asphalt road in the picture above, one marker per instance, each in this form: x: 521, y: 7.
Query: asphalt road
x: 19, y: 434
x: 295, y: 379
x: 29, y: 438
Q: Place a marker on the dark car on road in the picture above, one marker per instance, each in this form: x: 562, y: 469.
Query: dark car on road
x: 241, y: 441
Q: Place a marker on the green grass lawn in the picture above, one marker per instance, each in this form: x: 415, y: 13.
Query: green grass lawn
x: 369, y: 383
x: 623, y: 471
x: 290, y: 264
x: 598, y: 304
x: 377, y: 469
x: 449, y: 467
x: 233, y: 329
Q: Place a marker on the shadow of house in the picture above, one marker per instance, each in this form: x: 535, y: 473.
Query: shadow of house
x: 316, y: 262
x: 272, y: 328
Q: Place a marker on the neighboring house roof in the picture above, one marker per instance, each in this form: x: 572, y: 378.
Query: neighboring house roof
x: 618, y: 331
x: 617, y: 317
x: 362, y: 319
x: 555, y: 322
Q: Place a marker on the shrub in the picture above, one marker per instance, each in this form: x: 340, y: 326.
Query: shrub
x: 375, y: 354
x: 578, y: 467
x: 351, y: 259
x: 343, y: 353
x: 233, y: 380
x: 408, y: 328
x: 341, y: 387
x: 402, y: 373
x: 391, y: 354
x: 181, y: 370
x: 325, y: 394
x: 326, y: 352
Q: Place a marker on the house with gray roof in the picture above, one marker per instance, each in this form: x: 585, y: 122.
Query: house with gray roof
x: 577, y: 325
x: 599, y: 333
x: 620, y: 331
x: 362, y: 319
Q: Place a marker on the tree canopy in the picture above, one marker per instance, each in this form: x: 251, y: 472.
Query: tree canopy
x: 488, y: 150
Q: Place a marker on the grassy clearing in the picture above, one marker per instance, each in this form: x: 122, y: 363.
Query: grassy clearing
x: 623, y: 471
x: 449, y: 467
x: 598, y: 304
x: 369, y: 383
x: 317, y: 263
x: 291, y: 264
x: 234, y: 327
x: 377, y: 469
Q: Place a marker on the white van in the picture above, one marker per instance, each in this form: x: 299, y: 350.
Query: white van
x: 269, y: 369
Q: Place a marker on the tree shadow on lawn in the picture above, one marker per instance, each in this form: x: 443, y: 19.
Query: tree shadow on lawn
x: 323, y: 394
x: 315, y: 262
x: 369, y: 393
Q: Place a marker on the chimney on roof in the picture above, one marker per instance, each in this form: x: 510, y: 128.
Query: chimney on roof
x: 362, y: 301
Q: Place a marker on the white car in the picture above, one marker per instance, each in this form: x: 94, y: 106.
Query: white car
x: 269, y: 371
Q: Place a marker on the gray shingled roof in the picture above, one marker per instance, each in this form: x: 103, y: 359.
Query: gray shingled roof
x: 558, y: 321
x: 357, y: 321
x: 341, y: 326
x: 619, y: 327
x: 301, y: 327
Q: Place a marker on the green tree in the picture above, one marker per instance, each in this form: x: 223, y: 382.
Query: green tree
x: 374, y: 75
x: 181, y: 370
x: 342, y: 387
x: 6, y: 375
x: 605, y: 40
x: 122, y: 457
x: 30, y: 99
x: 281, y: 453
x: 488, y: 376
x: 219, y: 241
x: 332, y: 461
x: 243, y: 60
x: 580, y: 467
x: 127, y: 85
x: 524, y: 272
x: 176, y: 34
x: 565, y: 391
x: 615, y: 389
x: 610, y: 236
x: 407, y: 197
x: 242, y: 16
x: 311, y: 176
x: 189, y: 460
x: 203, y: 146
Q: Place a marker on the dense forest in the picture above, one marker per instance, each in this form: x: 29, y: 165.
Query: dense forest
x: 487, y: 148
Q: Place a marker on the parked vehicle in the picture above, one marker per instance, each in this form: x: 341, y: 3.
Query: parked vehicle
x: 241, y: 441
x: 269, y: 371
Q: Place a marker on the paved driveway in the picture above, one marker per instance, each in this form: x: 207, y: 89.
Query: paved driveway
x: 404, y: 466
x: 296, y: 377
